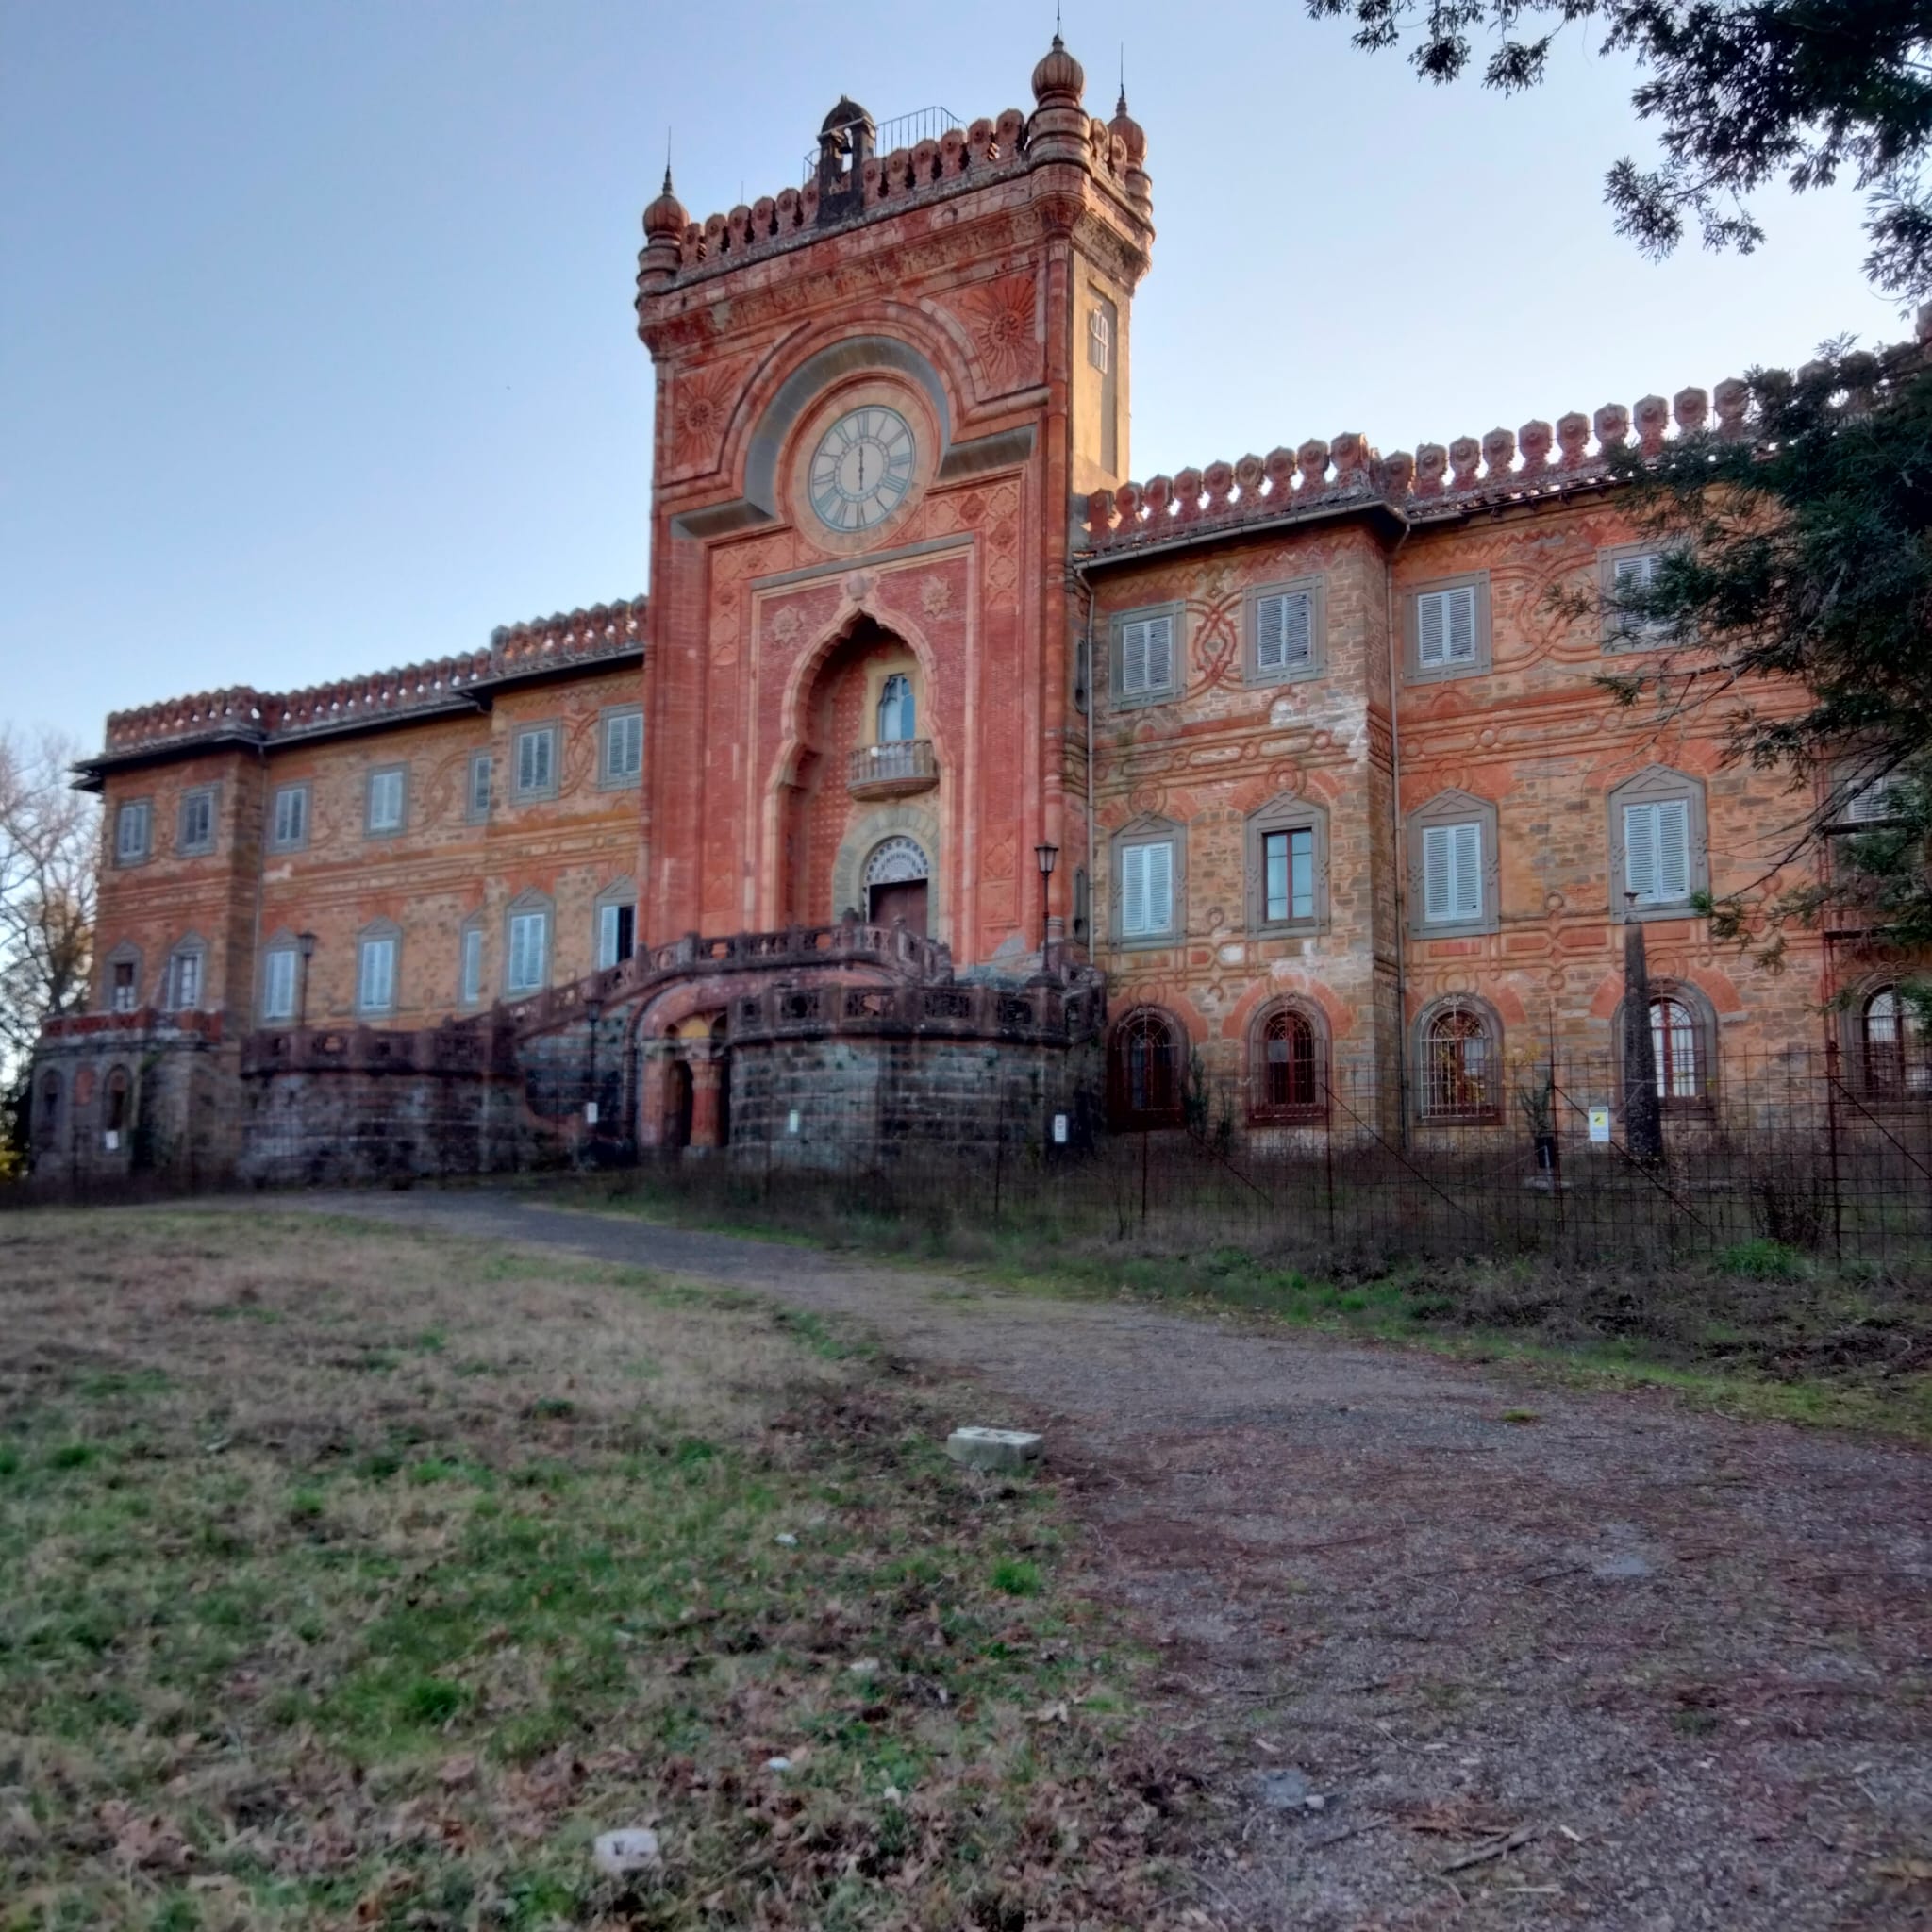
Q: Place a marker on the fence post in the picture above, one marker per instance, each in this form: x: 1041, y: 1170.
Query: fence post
x: 999, y: 1143
x: 1143, y: 1179
x: 1328, y: 1161
x: 1838, y: 1242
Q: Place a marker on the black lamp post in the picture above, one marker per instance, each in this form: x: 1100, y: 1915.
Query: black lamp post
x: 1046, y: 857
x: 307, y: 942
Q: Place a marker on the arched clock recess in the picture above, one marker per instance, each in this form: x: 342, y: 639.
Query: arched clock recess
x: 860, y: 463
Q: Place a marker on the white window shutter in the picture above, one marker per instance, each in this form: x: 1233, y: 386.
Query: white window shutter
x: 1431, y: 642
x: 1159, y: 886
x: 1637, y: 573
x: 607, y: 936
x: 473, y: 965
x: 1438, y: 873
x: 1640, y: 851
x: 1133, y: 659
x: 1133, y: 890
x: 1672, y: 849
x: 1160, y: 653
x: 1468, y: 846
x: 1283, y: 631
x: 1461, y: 612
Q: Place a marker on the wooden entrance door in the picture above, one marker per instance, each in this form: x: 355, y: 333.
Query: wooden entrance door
x: 904, y: 899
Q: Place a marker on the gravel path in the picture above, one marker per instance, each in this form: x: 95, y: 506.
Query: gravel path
x: 1636, y: 1666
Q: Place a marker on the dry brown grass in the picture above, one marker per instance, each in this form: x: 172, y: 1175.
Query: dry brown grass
x: 352, y: 1576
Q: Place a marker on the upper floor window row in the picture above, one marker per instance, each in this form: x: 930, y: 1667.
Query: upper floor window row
x: 1282, y: 638
x: 196, y: 825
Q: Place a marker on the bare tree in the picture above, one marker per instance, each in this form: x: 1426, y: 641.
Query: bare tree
x: 49, y: 861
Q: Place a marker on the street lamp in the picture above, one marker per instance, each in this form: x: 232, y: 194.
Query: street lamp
x: 307, y: 942
x: 1045, y: 856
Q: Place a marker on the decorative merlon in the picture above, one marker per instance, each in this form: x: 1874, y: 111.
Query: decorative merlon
x: 520, y: 650
x: 1522, y: 465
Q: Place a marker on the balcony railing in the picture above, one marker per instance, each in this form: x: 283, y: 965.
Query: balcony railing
x: 891, y: 771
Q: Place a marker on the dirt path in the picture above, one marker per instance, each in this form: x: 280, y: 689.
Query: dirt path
x: 1681, y: 1667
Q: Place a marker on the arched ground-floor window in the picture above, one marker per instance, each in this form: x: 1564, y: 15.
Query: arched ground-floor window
x: 1893, y: 1056
x: 1144, y: 1070
x: 1460, y: 1063
x: 1288, y: 1065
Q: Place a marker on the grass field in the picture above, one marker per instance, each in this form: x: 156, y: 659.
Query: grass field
x: 1760, y: 1329
x: 354, y: 1577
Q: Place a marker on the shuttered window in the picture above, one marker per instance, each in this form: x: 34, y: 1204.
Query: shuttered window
x: 1872, y: 803
x: 1445, y: 628
x: 375, y: 975
x: 616, y: 934
x: 183, y: 981
x: 1147, y: 656
x: 1451, y: 874
x: 482, y: 772
x: 1656, y: 851
x: 278, y: 984
x: 624, y: 746
x: 291, y: 816
x: 386, y: 800
x: 198, y: 820
x: 472, y: 989
x: 131, y: 831
x: 1147, y: 890
x: 1284, y: 633
x: 537, y: 762
x: 529, y: 947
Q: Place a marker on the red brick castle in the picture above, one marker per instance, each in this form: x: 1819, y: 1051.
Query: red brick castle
x: 946, y: 780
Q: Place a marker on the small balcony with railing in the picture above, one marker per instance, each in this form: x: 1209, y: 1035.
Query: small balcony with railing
x: 894, y: 769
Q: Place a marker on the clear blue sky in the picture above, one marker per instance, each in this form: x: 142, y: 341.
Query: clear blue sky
x: 316, y: 346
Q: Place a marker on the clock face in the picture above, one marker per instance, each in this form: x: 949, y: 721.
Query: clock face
x: 862, y: 468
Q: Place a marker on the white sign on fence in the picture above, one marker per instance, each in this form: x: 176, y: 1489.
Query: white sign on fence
x: 1600, y: 1126
x: 791, y: 1122
x: 1060, y: 1130
x: 590, y: 1113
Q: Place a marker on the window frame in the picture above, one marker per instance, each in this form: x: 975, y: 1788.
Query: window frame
x: 484, y: 763
x: 474, y: 929
x: 125, y: 954
x: 379, y: 932
x: 536, y: 795
x: 1492, y: 1111
x: 1148, y: 832
x: 1704, y: 1027
x: 1911, y: 1049
x: 1264, y: 1112
x: 1118, y: 696
x: 1122, y: 1114
x: 1658, y: 785
x: 376, y: 773
x: 609, y: 716
x: 619, y: 895
x: 1616, y: 637
x: 1289, y: 812
x: 283, y: 946
x: 1413, y: 670
x: 1315, y: 587
x: 189, y: 946
x: 1452, y: 807
x: 299, y: 788
x: 198, y: 796
x: 145, y: 807
x: 525, y: 906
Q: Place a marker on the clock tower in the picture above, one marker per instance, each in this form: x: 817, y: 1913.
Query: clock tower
x: 880, y: 395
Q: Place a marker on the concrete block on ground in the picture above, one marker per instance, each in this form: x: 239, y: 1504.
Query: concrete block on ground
x: 996, y: 1449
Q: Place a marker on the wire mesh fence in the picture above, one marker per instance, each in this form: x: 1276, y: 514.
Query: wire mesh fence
x: 1793, y: 1149
x: 1787, y: 1151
